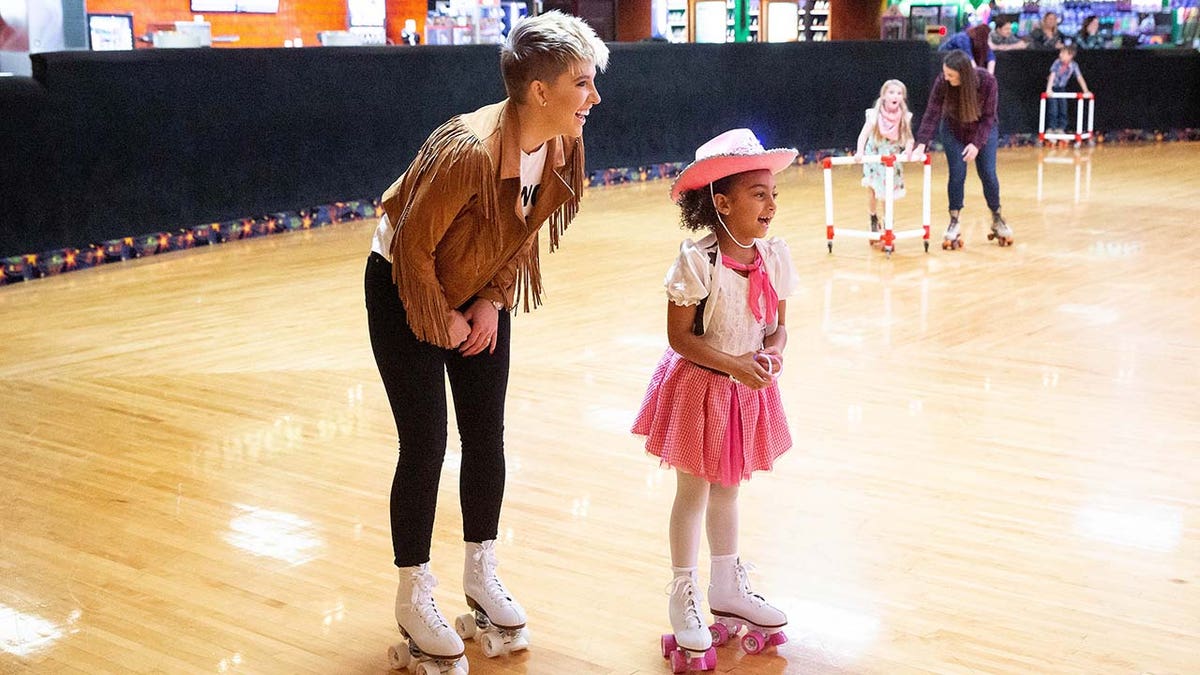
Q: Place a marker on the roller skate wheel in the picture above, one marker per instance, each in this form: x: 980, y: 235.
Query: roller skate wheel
x: 753, y: 642
x: 429, y: 668
x: 521, y: 641
x: 492, y: 644
x: 776, y: 639
x: 720, y: 633
x: 678, y: 662
x: 668, y: 645
x: 398, y: 657
x: 465, y: 626
x: 703, y: 661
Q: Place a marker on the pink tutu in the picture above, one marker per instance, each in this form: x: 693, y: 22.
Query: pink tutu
x: 700, y: 421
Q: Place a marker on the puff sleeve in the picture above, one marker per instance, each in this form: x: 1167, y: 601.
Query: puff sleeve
x: 780, y: 267
x: 690, y: 276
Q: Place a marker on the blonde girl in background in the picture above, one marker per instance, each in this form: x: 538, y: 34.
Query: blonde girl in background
x: 887, y: 131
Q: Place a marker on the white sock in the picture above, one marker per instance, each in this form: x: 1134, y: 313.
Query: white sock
x: 683, y: 571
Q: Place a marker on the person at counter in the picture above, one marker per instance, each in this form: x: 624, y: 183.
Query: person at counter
x: 1002, y: 38
x: 1089, y: 34
x: 975, y: 43
x: 1047, y: 36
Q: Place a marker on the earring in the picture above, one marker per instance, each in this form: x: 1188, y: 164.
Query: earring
x: 543, y: 103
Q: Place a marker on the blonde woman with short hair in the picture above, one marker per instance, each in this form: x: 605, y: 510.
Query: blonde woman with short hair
x: 455, y: 250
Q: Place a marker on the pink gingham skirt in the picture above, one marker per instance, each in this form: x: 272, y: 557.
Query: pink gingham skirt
x: 700, y: 421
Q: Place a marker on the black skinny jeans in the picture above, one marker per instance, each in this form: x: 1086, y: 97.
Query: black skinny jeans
x: 414, y: 375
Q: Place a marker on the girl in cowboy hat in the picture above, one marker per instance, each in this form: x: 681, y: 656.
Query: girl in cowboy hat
x: 712, y: 410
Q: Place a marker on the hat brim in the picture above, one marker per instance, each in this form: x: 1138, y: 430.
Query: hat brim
x: 704, y: 171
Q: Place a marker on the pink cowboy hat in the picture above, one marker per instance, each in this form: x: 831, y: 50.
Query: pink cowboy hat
x: 732, y: 152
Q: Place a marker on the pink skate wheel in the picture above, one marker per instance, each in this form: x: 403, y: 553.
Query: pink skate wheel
x: 668, y: 645
x: 678, y: 662
x: 720, y: 633
x: 710, y: 659
x: 753, y: 642
x: 777, y: 639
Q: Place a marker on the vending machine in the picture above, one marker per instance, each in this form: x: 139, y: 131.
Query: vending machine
x: 781, y: 21
x: 713, y: 21
x: 934, y: 22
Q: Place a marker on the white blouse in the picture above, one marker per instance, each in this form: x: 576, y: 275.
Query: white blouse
x: 729, y: 325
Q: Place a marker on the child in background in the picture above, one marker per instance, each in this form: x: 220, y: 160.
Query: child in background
x: 887, y: 131
x: 1060, y: 74
x: 712, y: 410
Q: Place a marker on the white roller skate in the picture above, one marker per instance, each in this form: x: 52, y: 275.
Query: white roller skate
x: 952, y: 239
x: 690, y: 645
x: 496, y: 620
x: 735, y: 606
x: 1001, y: 232
x: 430, y: 647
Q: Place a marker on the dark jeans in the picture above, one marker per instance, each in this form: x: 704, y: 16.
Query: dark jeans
x: 1056, y: 111
x: 414, y: 375
x: 985, y: 165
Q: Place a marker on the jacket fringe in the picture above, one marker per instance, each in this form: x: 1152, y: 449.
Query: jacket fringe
x: 529, y: 276
x: 451, y: 154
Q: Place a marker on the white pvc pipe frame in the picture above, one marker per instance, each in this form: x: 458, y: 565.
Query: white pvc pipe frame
x: 1080, y: 134
x: 888, y: 235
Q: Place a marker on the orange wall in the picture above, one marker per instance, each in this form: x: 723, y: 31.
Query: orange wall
x: 854, y: 19
x: 296, y: 18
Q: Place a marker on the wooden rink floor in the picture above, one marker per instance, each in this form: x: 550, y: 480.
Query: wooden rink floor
x: 996, y: 470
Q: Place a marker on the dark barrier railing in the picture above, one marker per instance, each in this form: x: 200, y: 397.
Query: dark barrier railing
x: 101, y: 145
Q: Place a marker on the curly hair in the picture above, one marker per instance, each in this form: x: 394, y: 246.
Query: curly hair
x: 696, y: 209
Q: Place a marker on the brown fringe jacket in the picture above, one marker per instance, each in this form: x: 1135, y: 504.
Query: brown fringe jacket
x: 460, y: 233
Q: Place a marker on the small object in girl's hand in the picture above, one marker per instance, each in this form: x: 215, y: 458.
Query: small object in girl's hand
x: 770, y: 361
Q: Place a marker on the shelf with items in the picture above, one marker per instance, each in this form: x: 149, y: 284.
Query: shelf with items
x: 814, y: 21
x: 676, y: 24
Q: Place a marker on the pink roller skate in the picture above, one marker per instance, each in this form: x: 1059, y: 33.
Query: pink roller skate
x: 735, y: 606
x: 690, y: 646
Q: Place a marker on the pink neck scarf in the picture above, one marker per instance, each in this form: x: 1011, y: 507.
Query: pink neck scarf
x: 889, y: 123
x: 761, y: 291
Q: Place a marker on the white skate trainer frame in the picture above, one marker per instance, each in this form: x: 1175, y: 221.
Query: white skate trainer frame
x: 1080, y: 134
x: 889, y: 235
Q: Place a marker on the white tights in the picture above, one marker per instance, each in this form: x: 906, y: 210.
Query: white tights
x: 696, y: 499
